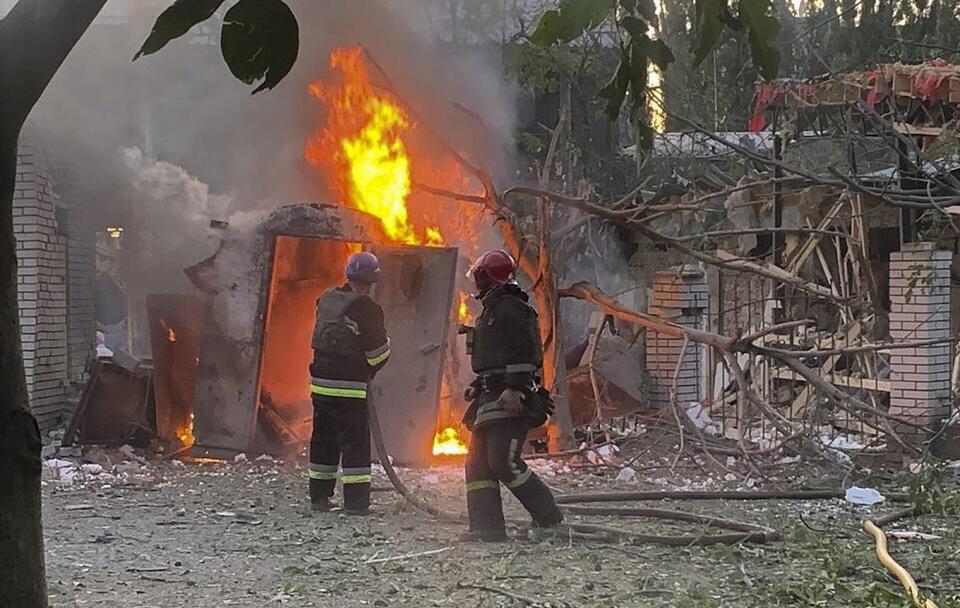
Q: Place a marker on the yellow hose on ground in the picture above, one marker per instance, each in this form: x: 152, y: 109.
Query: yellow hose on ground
x: 896, y: 569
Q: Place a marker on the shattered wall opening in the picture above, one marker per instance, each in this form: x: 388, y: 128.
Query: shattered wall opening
x: 252, y: 392
x: 303, y: 269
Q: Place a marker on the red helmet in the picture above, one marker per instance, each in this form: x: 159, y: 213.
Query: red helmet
x: 493, y: 268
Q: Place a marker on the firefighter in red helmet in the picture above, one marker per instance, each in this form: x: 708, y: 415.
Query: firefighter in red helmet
x: 506, y: 401
x: 350, y: 345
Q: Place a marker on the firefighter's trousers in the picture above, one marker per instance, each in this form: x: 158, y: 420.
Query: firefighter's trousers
x: 494, y: 459
x: 341, y: 436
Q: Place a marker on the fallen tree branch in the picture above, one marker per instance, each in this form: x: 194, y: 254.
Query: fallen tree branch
x: 825, y: 494
x: 849, y: 350
x: 510, y: 594
x: 590, y: 293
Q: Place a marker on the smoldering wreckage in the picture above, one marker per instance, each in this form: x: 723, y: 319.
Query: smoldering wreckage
x: 713, y: 377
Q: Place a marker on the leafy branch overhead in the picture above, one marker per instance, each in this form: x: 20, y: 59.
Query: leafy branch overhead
x: 754, y: 18
x: 259, y: 41
x: 636, y: 20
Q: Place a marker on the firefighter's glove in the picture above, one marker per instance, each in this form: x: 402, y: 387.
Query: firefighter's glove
x: 470, y: 394
x: 511, y: 401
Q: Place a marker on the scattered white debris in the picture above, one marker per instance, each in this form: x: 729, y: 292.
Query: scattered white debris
x: 731, y: 461
x: 698, y: 415
x: 592, y: 457
x: 789, y: 460
x: 177, y: 464
x: 128, y: 451
x: 730, y: 477
x: 431, y: 479
x: 841, y: 442
x: 608, y: 451
x: 732, y: 433
x: 265, y: 458
x: 750, y: 482
x: 626, y: 475
x: 863, y: 496
x: 241, y: 457
x: 908, y: 535
x: 92, y: 469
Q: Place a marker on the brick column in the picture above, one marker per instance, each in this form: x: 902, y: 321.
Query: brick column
x: 920, y: 310
x: 679, y: 295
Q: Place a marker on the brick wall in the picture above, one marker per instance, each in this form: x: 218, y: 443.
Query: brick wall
x: 681, y: 296
x: 75, y: 224
x: 920, y: 310
x: 42, y: 289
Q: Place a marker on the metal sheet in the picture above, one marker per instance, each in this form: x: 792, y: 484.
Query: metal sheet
x: 176, y: 328
x: 416, y: 293
x: 112, y: 407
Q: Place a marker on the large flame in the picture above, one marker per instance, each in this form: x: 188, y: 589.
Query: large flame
x: 447, y: 442
x: 362, y: 147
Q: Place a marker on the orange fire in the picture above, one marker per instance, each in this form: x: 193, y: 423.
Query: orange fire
x: 463, y: 310
x: 185, y: 434
x: 171, y: 335
x: 447, y: 442
x: 363, y: 149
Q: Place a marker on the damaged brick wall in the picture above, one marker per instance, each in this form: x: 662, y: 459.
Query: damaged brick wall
x: 41, y: 285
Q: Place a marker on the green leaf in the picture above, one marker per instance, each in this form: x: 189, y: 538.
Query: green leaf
x: 260, y: 41
x: 709, y: 27
x: 549, y: 29
x: 644, y: 136
x: 638, y: 68
x: 569, y: 22
x: 648, y: 11
x: 175, y: 22
x: 762, y: 27
x: 635, y: 26
x: 615, y: 91
x: 658, y: 52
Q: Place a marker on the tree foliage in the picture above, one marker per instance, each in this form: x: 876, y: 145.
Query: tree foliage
x: 260, y: 39
x: 636, y: 21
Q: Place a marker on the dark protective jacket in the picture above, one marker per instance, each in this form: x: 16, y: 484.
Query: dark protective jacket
x: 350, y: 344
x: 507, y: 353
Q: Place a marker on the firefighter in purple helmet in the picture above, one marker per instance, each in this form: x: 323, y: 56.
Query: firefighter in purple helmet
x: 350, y: 345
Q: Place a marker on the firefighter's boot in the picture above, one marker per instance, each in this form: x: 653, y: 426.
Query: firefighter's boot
x: 485, y: 512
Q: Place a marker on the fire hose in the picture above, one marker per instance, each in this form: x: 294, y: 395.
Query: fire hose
x: 744, y: 532
x: 889, y: 563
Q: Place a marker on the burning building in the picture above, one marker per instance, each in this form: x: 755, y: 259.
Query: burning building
x: 252, y: 375
x: 262, y: 285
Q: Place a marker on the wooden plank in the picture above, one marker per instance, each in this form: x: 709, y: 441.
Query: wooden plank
x: 908, y: 129
x: 869, y: 384
x: 813, y: 240
x: 799, y: 405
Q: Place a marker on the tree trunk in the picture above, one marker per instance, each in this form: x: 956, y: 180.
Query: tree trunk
x: 22, y: 581
x: 35, y: 38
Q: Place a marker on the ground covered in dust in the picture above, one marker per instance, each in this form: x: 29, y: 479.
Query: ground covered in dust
x: 167, y: 534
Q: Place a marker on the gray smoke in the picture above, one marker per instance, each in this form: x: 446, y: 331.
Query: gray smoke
x: 196, y: 145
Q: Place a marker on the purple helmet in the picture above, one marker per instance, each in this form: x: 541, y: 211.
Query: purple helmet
x: 363, y: 266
